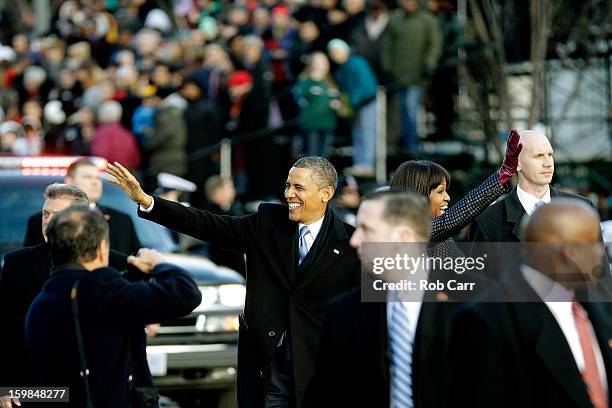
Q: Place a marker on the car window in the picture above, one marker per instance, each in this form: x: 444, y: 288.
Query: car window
x: 18, y: 203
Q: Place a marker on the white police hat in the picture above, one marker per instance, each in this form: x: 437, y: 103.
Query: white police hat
x: 169, y: 181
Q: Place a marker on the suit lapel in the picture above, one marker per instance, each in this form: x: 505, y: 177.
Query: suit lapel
x: 433, y: 316
x: 555, y: 193
x: 284, y: 239
x: 375, y: 335
x: 557, y: 356
x: 538, y: 326
x: 331, y: 250
x: 430, y: 318
x: 514, y: 213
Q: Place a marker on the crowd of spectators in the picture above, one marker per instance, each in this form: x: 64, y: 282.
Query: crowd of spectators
x: 153, y: 83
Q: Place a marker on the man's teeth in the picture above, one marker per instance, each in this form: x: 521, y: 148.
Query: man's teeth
x: 294, y: 205
x: 444, y: 208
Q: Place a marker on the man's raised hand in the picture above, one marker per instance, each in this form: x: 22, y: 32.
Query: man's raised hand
x: 128, y: 183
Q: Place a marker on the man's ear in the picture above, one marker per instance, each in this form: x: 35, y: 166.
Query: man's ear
x: 520, y: 160
x: 327, y: 193
x: 567, y: 253
x: 100, y: 251
x: 406, y: 234
x: 103, y: 251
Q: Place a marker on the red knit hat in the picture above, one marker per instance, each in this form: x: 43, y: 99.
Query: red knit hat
x: 240, y: 78
x: 281, y: 9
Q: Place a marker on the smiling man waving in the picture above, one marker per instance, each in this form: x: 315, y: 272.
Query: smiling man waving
x: 298, y: 257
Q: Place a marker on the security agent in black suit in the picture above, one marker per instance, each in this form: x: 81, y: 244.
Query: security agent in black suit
x: 355, y: 360
x: 501, y: 221
x: 112, y: 313
x: 523, y: 346
x: 285, y: 300
x: 23, y: 274
x: 84, y: 174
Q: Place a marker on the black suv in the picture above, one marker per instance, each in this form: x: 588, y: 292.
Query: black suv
x: 195, y: 352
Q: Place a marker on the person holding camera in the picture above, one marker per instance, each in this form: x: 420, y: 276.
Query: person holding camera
x: 85, y: 329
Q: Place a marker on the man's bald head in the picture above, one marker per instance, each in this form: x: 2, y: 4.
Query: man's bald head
x: 563, y: 243
x: 536, y: 164
x: 563, y: 221
x: 530, y: 137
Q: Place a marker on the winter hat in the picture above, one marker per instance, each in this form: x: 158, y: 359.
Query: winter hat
x: 53, y: 113
x: 240, y: 78
x: 338, y: 43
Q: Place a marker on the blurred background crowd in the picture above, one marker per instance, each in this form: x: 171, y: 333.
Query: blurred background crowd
x: 156, y: 85
x: 152, y: 84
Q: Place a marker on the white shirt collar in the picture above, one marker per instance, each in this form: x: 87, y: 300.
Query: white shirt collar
x: 547, y: 289
x: 529, y: 201
x: 314, y: 228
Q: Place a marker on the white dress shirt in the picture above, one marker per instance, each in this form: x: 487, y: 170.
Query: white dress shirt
x: 529, y: 202
x: 560, y: 305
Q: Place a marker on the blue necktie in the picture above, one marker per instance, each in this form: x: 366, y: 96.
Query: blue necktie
x: 303, y: 245
x: 538, y: 205
x: 400, y: 344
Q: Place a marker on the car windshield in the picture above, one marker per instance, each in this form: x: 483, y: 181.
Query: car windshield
x: 23, y: 196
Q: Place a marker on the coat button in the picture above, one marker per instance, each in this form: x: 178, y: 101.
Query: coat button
x: 271, y: 333
x: 260, y: 374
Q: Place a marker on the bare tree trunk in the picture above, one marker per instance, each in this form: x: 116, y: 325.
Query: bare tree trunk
x: 491, y: 95
x: 541, y: 12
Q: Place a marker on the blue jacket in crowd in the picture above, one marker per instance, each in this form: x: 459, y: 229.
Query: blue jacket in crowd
x: 356, y: 78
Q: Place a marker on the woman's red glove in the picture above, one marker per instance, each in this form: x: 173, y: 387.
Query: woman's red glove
x: 513, y: 149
